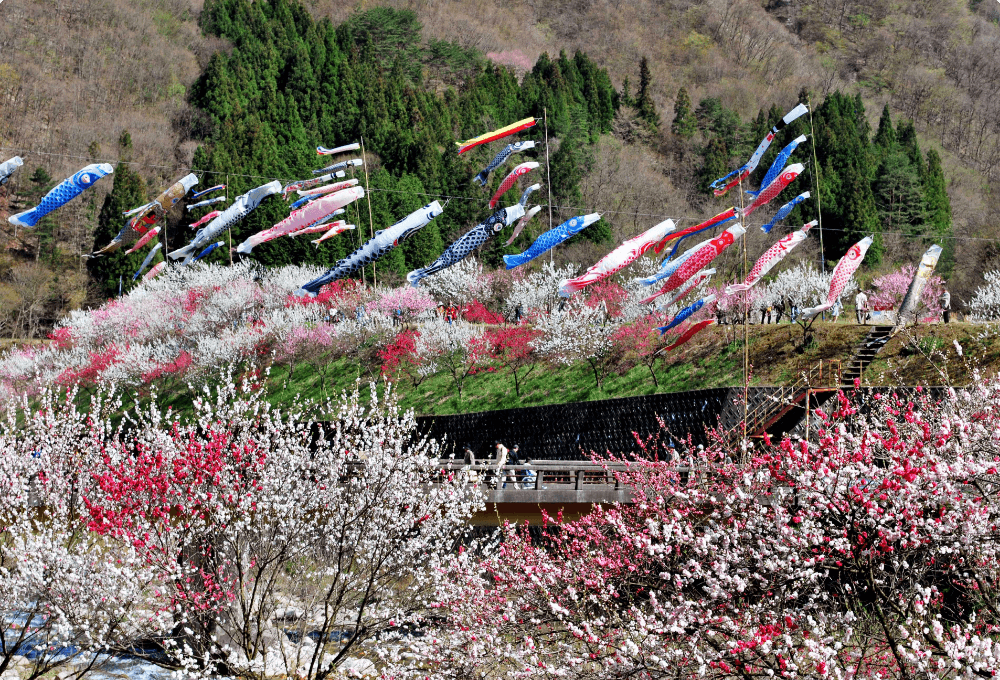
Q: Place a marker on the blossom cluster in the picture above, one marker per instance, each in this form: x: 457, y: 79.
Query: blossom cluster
x: 185, y: 530
x: 869, y: 553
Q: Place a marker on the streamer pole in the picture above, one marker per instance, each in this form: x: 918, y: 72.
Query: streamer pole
x: 229, y: 231
x: 548, y: 174
x: 368, y: 194
x: 746, y: 333
x: 819, y: 200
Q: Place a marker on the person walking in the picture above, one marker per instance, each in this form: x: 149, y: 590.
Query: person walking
x: 469, y: 459
x: 500, y: 459
x: 514, y: 458
x: 779, y: 309
x: 946, y: 305
x: 837, y: 309
x: 861, y: 307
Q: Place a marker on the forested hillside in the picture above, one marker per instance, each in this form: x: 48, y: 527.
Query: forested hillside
x: 646, y: 102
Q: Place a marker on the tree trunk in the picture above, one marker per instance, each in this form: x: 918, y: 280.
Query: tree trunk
x: 597, y: 376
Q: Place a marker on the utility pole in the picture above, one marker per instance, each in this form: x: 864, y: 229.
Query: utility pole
x: 371, y: 221
x: 548, y: 174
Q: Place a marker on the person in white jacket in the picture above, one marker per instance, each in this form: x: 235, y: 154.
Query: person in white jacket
x: 861, y: 307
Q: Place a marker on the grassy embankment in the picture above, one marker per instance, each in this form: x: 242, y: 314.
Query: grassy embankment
x: 710, y: 360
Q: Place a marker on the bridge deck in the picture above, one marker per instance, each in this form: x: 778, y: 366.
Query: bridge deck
x: 519, y: 493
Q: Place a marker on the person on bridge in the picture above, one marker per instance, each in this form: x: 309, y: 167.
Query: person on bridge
x: 514, y: 458
x: 500, y: 460
x: 469, y: 458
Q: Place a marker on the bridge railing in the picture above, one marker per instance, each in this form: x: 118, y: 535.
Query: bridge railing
x: 539, y: 475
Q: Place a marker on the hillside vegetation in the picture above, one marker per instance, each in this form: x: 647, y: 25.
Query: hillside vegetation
x: 925, y: 356
x: 237, y: 88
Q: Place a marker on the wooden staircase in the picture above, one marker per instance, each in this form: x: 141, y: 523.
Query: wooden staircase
x: 779, y: 412
x: 782, y: 409
x: 865, y: 353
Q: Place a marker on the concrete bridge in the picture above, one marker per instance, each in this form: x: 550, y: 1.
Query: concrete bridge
x: 519, y: 493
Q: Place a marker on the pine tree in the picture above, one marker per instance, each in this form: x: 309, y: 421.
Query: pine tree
x: 644, y: 101
x: 626, y: 94
x: 899, y: 195
x: 906, y: 135
x: 860, y: 217
x: 715, y: 164
x: 571, y: 162
x: 885, y: 138
x: 939, y: 211
x: 127, y: 192
x: 684, y: 124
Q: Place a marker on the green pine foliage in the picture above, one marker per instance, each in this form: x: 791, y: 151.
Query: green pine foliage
x: 684, y: 124
x: 885, y: 137
x: 715, y: 164
x: 291, y: 83
x: 868, y: 184
x: 127, y: 192
x: 939, y: 212
x: 644, y: 100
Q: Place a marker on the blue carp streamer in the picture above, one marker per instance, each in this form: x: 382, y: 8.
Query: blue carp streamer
x: 784, y: 211
x: 779, y: 164
x: 469, y: 241
x: 686, y: 313
x: 500, y: 158
x: 63, y: 193
x: 551, y: 239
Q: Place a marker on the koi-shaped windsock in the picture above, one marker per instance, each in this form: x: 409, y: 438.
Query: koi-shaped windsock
x: 354, y: 162
x: 511, y: 129
x: 62, y: 193
x: 842, y: 273
x: 323, y: 151
x: 690, y: 333
x: 770, y: 258
x: 510, y: 180
x: 150, y: 235
x: 687, y: 313
x: 774, y: 188
x: 724, y: 184
x: 619, y: 258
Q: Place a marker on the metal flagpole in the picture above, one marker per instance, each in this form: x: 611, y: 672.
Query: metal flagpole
x: 548, y: 174
x: 819, y: 200
x: 358, y: 230
x: 229, y: 231
x: 371, y: 221
x: 746, y: 331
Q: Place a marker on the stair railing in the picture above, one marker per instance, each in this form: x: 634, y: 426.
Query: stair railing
x: 825, y: 374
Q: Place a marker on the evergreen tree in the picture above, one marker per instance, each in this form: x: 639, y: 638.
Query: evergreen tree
x: 626, y: 95
x: 899, y: 195
x: 715, y: 164
x: 906, y: 135
x: 684, y: 124
x: 45, y: 230
x: 860, y: 216
x: 644, y: 101
x: 570, y: 163
x: 939, y: 211
x: 885, y: 137
x: 127, y: 192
